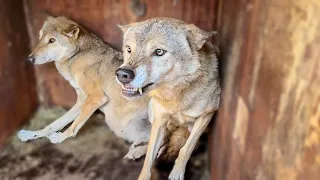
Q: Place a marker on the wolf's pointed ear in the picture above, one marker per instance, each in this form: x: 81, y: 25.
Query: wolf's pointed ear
x: 73, y: 32
x: 197, y: 36
x: 50, y: 18
x: 124, y: 28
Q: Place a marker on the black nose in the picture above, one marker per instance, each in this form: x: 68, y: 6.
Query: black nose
x: 124, y: 75
x: 32, y: 59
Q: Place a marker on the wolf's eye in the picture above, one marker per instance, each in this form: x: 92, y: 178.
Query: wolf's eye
x: 128, y: 49
x: 159, y: 52
x: 52, y: 40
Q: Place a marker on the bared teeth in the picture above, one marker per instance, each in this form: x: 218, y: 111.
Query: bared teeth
x: 133, y: 90
x: 140, y: 91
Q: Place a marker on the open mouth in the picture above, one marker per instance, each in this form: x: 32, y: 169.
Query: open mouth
x: 135, y: 92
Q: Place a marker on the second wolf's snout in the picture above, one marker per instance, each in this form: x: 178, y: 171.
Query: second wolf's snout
x: 125, y: 75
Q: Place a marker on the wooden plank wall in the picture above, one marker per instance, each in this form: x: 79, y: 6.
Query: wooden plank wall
x: 268, y: 126
x: 102, y: 17
x: 18, y: 97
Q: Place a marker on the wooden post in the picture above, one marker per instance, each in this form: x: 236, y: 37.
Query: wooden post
x: 18, y: 96
x: 269, y: 123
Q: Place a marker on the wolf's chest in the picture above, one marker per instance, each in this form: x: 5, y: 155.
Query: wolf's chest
x: 191, y: 114
x: 182, y: 118
x: 64, y: 70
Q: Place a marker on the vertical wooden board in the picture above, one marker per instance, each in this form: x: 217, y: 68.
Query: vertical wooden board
x: 269, y: 123
x: 101, y: 17
x: 17, y: 90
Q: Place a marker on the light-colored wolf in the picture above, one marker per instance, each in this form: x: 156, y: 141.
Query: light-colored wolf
x: 176, y: 65
x: 89, y: 64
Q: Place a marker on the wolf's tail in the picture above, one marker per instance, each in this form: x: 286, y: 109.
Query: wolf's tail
x: 176, y: 139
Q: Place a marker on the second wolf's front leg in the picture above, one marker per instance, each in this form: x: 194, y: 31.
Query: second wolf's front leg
x: 25, y: 135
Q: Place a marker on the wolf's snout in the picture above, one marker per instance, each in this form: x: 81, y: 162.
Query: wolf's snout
x: 124, y: 75
x: 32, y: 59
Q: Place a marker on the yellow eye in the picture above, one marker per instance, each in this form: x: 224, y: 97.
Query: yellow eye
x: 52, y: 40
x: 159, y: 52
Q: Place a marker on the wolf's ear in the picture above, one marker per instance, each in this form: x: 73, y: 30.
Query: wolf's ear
x: 124, y: 28
x: 50, y: 18
x: 40, y: 34
x: 73, y: 32
x: 197, y: 36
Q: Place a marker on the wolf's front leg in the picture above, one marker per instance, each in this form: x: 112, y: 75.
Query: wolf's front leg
x: 60, y: 123
x: 179, y: 167
x: 90, y: 105
x: 158, y: 132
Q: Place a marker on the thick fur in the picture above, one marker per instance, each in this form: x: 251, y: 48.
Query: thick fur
x: 89, y: 65
x: 177, y: 66
x: 177, y: 138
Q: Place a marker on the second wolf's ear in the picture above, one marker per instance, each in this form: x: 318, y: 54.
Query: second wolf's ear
x: 73, y: 32
x: 197, y: 36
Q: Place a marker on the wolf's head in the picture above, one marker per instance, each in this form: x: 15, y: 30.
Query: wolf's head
x: 158, y: 51
x: 58, y: 41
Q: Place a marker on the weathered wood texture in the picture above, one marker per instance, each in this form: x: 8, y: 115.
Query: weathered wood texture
x: 269, y: 123
x: 102, y: 17
x: 18, y: 97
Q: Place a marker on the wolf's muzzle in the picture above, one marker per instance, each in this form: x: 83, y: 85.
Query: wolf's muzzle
x: 125, y: 75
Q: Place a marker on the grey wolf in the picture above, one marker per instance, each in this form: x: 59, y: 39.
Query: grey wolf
x: 176, y: 65
x: 89, y: 64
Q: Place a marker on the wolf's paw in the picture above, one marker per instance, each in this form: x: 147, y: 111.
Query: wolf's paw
x: 57, y: 137
x: 136, y: 153
x: 177, y: 173
x: 25, y: 135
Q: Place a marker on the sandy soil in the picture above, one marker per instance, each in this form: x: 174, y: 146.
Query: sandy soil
x: 95, y: 153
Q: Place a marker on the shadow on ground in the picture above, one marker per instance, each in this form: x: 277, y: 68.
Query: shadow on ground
x: 94, y: 154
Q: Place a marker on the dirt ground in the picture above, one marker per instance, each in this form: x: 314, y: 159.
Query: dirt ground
x: 94, y: 154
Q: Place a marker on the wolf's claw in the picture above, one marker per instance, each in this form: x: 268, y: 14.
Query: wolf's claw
x: 25, y: 135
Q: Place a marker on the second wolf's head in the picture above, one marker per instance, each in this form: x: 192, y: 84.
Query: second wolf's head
x: 57, y: 41
x: 159, y: 51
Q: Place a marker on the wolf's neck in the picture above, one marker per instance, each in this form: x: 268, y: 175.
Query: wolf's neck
x: 89, y: 41
x: 64, y: 69
x: 172, y: 95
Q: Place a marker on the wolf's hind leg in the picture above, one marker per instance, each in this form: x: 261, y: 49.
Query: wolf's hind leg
x: 137, y: 150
